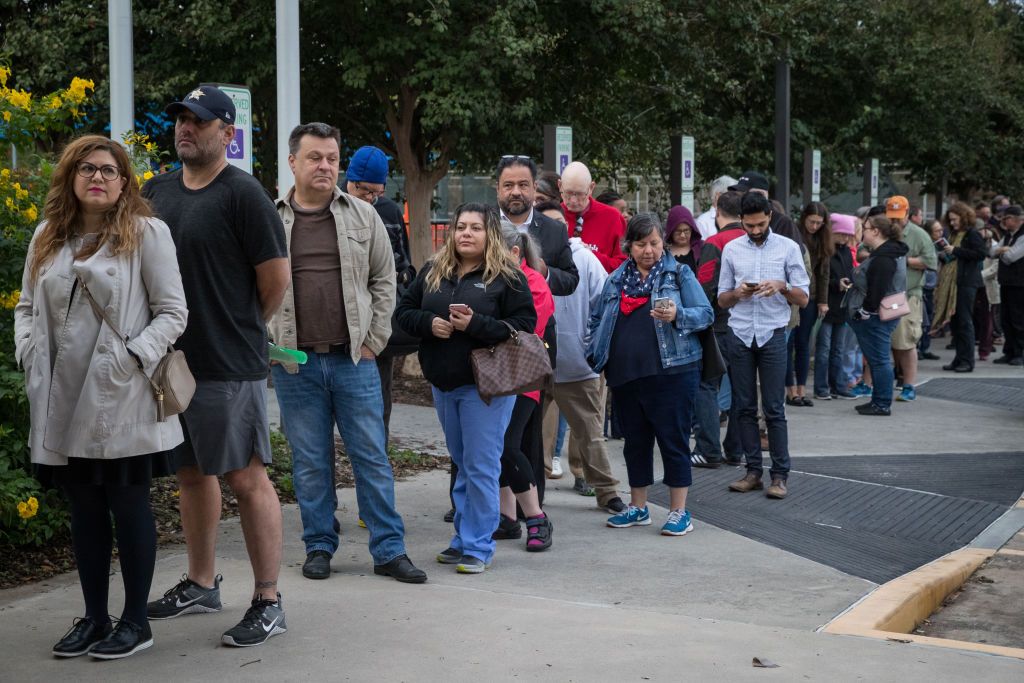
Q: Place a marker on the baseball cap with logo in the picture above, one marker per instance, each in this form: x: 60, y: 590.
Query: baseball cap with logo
x: 750, y: 180
x: 1012, y: 211
x: 896, y: 207
x: 208, y: 102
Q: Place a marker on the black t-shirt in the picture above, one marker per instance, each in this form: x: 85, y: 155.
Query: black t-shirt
x: 221, y: 232
x: 633, y: 353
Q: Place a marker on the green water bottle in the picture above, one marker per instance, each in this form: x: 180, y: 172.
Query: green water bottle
x: 283, y: 355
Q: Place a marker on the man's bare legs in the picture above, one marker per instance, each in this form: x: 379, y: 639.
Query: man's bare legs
x: 260, y: 513
x: 200, y: 513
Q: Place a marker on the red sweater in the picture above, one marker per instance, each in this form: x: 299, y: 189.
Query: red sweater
x: 603, y: 230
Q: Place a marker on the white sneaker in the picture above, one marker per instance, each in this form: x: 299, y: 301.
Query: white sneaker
x: 556, y: 468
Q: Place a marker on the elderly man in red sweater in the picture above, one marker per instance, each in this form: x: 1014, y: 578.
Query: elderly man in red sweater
x: 599, y: 226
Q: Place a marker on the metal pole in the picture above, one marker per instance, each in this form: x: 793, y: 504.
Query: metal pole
x: 675, y: 169
x: 288, y: 111
x: 782, y: 132
x: 122, y: 85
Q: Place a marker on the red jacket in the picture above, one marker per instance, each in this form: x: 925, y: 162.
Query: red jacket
x: 603, y: 230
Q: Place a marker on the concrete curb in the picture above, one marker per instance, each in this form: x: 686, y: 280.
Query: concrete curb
x: 894, y: 609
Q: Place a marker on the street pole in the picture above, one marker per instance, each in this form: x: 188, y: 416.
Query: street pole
x: 782, y: 131
x: 288, y: 111
x: 122, y: 85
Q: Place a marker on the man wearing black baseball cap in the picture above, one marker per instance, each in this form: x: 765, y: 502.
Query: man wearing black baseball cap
x: 751, y: 181
x: 234, y: 266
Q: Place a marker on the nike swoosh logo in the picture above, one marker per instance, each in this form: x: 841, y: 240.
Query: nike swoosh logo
x: 179, y: 603
x: 267, y: 627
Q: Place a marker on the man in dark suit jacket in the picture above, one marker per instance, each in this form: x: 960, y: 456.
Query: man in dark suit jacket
x: 517, y: 176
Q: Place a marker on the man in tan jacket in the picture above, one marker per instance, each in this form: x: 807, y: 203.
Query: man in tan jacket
x: 338, y: 310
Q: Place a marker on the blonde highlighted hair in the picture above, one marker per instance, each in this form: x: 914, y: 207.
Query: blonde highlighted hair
x: 498, y: 261
x: 120, y: 227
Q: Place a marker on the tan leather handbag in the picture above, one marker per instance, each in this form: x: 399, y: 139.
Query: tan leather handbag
x: 893, y: 306
x: 172, y: 382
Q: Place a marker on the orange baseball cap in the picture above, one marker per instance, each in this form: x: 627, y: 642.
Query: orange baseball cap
x: 896, y: 207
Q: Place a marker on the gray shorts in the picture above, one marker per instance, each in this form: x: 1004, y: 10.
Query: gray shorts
x: 225, y: 425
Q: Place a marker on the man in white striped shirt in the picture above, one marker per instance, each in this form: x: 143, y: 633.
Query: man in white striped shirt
x: 762, y: 276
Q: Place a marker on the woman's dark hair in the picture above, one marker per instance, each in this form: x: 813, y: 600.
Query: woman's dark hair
x: 608, y: 196
x: 640, y: 227
x: 547, y: 206
x: 965, y: 213
x: 819, y: 243
x: 547, y: 184
x: 885, y: 227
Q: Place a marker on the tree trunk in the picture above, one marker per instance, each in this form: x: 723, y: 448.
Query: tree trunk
x: 419, y: 191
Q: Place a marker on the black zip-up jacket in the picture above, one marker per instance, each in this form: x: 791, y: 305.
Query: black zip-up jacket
x: 840, y: 266
x: 880, y: 272
x: 969, y: 256
x: 445, y: 362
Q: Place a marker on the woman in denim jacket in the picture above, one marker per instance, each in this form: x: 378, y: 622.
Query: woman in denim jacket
x: 642, y: 336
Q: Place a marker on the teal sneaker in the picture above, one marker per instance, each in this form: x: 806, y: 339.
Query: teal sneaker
x: 907, y: 394
x: 631, y: 516
x: 678, y: 523
x: 861, y: 389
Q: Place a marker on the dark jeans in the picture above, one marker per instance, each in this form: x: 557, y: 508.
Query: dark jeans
x: 386, y: 368
x: 983, y: 328
x: 828, y: 359
x: 658, y: 408
x: 798, y: 353
x: 927, y: 313
x: 875, y: 338
x: 707, y: 427
x: 962, y: 325
x: 1011, y: 309
x: 746, y: 365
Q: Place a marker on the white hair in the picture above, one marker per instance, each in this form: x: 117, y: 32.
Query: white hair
x: 721, y: 184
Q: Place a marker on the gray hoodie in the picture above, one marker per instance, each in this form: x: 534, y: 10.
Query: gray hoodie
x: 572, y: 314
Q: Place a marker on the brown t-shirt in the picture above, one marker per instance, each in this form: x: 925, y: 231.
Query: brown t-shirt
x: 316, y: 278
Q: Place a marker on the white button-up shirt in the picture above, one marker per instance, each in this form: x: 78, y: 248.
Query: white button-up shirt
x: 777, y: 258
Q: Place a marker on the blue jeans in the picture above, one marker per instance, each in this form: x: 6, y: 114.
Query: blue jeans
x: 331, y: 390
x: 475, y: 435
x: 853, y: 360
x: 725, y: 392
x: 563, y: 427
x: 928, y: 310
x: 746, y: 365
x: 875, y: 337
x: 828, y: 359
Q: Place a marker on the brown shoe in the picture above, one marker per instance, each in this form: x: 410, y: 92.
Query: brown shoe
x: 751, y: 481
x: 777, y: 489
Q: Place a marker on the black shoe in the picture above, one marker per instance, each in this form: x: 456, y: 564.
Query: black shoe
x: 950, y: 346
x: 538, y: 534
x: 1002, y: 360
x: 927, y: 355
x: 82, y: 637
x: 450, y: 516
x: 730, y: 461
x: 614, y: 505
x: 401, y: 569
x: 449, y: 556
x: 952, y: 367
x: 263, y: 620
x: 1018, y: 361
x: 317, y: 565
x: 723, y: 417
x: 872, y: 410
x: 698, y: 460
x: 964, y: 368
x: 508, y: 529
x: 187, y: 597
x: 125, y: 640
x: 337, y: 525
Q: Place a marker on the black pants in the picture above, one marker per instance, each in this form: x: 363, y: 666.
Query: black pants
x: 1011, y: 309
x: 93, y: 538
x: 962, y: 325
x: 386, y: 368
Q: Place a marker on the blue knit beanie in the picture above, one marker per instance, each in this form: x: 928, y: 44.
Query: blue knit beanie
x: 368, y: 165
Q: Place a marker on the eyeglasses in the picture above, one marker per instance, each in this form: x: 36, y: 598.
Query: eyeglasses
x: 517, y: 157
x: 574, y: 195
x: 107, y: 172
x: 364, y: 191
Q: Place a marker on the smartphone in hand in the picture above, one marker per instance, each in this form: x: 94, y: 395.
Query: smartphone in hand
x: 664, y: 302
x: 458, y: 308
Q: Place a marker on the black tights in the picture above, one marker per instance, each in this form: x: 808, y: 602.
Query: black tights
x: 516, y: 469
x: 92, y: 538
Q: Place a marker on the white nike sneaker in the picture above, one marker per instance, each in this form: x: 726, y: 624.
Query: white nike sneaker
x: 187, y: 597
x: 556, y: 468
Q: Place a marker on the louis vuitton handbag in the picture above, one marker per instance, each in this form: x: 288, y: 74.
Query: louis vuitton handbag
x: 515, y: 366
x: 172, y: 382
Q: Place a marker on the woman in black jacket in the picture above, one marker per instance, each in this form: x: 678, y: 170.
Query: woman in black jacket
x: 969, y: 252
x: 884, y: 272
x: 829, y: 381
x: 463, y: 299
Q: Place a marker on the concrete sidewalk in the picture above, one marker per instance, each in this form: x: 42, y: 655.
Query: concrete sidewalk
x: 603, y: 604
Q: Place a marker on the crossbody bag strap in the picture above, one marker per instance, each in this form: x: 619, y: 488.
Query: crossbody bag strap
x: 124, y: 340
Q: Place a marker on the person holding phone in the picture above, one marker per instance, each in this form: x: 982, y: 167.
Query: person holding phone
x: 642, y: 335
x: 465, y: 298
x: 829, y: 379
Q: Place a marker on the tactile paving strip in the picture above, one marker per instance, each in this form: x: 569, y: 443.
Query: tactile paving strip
x: 999, y: 392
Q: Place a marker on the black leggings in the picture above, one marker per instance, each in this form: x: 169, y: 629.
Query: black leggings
x: 516, y: 468
x: 92, y: 538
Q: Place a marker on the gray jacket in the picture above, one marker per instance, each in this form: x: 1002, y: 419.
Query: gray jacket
x: 572, y: 314
x: 86, y: 394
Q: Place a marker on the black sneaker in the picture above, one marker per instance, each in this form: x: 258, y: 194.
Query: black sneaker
x: 450, y: 516
x: 188, y: 597
x: 125, y: 640
x: 508, y: 529
x: 581, y: 487
x: 317, y: 565
x: 82, y: 637
x: 614, y: 505
x: 872, y: 410
x: 264, y: 619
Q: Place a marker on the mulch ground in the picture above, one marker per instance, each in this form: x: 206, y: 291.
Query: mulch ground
x: 21, y: 565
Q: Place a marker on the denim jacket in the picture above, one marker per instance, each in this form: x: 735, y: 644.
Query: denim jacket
x: 676, y: 340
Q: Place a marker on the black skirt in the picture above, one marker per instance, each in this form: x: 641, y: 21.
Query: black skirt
x: 133, y: 471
